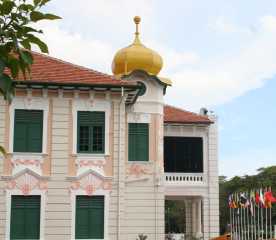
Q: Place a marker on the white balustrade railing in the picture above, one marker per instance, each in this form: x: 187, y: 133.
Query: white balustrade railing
x: 175, y: 236
x: 184, y: 178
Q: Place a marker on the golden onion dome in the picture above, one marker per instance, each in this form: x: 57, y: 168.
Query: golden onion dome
x: 136, y: 57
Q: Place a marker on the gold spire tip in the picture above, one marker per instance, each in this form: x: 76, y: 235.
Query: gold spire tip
x: 137, y: 19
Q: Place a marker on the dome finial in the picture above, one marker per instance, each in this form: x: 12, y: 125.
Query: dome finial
x: 137, y: 20
x: 136, y: 56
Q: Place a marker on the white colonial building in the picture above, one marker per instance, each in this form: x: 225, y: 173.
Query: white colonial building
x: 95, y: 156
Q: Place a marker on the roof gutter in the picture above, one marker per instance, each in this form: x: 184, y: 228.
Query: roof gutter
x: 134, y: 89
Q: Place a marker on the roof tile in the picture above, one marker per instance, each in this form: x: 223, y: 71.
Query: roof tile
x: 177, y: 115
x: 47, y: 69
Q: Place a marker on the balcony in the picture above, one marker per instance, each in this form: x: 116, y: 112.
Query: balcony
x: 184, y: 179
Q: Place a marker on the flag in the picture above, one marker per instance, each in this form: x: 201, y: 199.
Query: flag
x: 269, y: 198
x: 234, y: 201
x: 262, y: 201
x: 257, y: 198
x: 244, y: 200
x: 230, y: 201
x: 252, y: 198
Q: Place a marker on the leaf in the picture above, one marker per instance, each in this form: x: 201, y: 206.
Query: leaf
x: 36, y: 16
x: 36, y: 2
x: 2, y: 150
x: 43, y: 47
x: 7, y: 7
x: 2, y: 66
x: 43, y: 2
x: 26, y: 44
x: 26, y: 7
x: 50, y: 16
x: 13, y: 65
x: 6, y: 86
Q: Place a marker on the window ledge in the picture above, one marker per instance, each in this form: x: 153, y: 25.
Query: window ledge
x: 140, y: 162
x: 90, y: 156
x: 28, y: 155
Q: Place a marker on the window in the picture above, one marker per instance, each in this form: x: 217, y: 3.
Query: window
x: 138, y: 142
x: 91, y: 132
x: 89, y: 217
x: 25, y: 217
x: 28, y: 130
x: 183, y: 154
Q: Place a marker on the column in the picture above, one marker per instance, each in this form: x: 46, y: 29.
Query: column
x: 188, y: 216
x: 194, y: 217
x: 198, y: 219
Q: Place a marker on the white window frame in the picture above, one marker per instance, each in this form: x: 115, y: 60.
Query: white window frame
x: 29, y: 103
x: 99, y: 192
x: 91, y: 106
x: 35, y: 192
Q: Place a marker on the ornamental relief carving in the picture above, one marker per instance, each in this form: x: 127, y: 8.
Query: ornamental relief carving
x: 19, y: 163
x: 91, y: 183
x: 139, y: 170
x: 26, y: 183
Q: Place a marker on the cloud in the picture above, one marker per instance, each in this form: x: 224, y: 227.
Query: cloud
x: 218, y: 80
x: 221, y: 25
x: 76, y: 48
x: 92, y: 31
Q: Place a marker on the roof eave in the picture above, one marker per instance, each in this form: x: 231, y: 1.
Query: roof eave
x: 132, y: 90
x: 190, y: 122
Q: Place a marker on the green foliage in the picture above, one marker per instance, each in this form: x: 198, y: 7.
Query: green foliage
x: 265, y: 177
x: 175, y: 216
x: 17, y: 37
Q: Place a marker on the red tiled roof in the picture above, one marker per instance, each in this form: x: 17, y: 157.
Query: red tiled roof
x: 177, y: 115
x: 46, y: 69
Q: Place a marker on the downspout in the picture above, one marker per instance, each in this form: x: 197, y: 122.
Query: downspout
x: 119, y: 172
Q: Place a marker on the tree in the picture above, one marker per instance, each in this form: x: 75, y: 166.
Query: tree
x: 265, y: 177
x: 17, y: 36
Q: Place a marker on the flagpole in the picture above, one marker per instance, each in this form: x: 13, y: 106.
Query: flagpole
x: 266, y: 214
x: 242, y: 216
x: 233, y: 224
x: 231, y: 221
x: 248, y: 221
x: 258, y: 222
x: 271, y: 230
x: 254, y: 220
x: 238, y: 223
x: 262, y: 223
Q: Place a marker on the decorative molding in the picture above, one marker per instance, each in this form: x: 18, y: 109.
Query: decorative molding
x: 21, y: 161
x: 138, y: 172
x: 138, y: 117
x: 90, y: 183
x: 26, y: 182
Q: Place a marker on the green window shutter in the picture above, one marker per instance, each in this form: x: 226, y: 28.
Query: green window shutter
x: 89, y: 217
x: 28, y: 130
x: 138, y: 142
x: 25, y: 217
x: 91, y: 132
